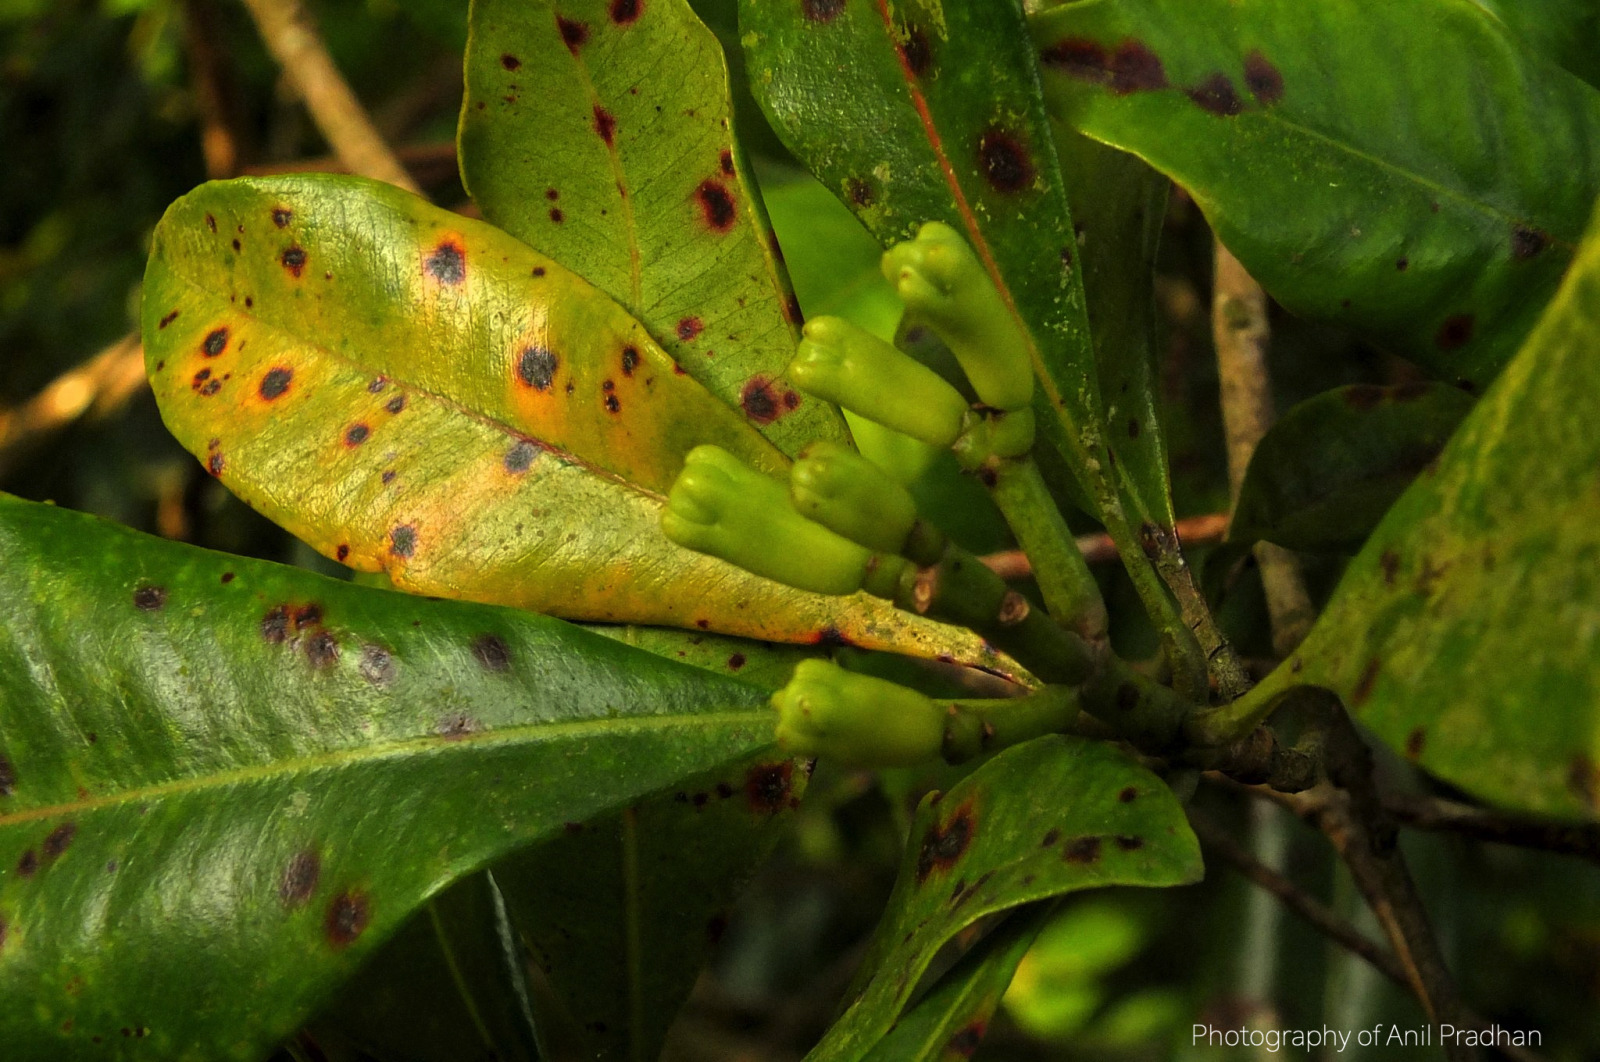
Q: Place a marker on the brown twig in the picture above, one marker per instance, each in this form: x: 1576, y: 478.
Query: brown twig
x: 214, y: 89
x: 1500, y: 827
x: 95, y: 389
x: 1098, y: 548
x: 1239, y: 326
x: 291, y: 36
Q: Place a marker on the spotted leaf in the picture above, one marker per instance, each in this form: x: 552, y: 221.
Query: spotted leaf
x: 211, y: 762
x: 413, y: 392
x: 600, y: 133
x: 1339, y: 153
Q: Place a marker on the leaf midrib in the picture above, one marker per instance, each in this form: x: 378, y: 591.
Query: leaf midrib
x: 527, y: 733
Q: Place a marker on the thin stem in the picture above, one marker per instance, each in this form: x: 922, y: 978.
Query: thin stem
x: 291, y: 36
x: 975, y: 727
x: 1207, y: 529
x: 1069, y: 589
x: 1499, y: 827
x: 97, y: 388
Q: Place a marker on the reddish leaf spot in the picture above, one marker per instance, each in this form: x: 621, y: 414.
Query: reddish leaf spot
x: 630, y: 359
x: 605, y: 124
x: 965, y: 1043
x: 624, y: 12
x: 536, y: 368
x: 275, y: 383
x: 282, y: 216
x: 28, y: 865
x: 150, y: 598
x: 1526, y: 242
x: 342, y: 553
x: 689, y: 328
x: 348, y: 917
x: 821, y: 10
x: 322, y: 650
x: 1264, y: 80
x: 1128, y: 795
x: 573, y: 32
x: 736, y: 661
x: 1004, y: 161
x: 916, y: 52
x: 1455, y: 333
x: 168, y: 319
x: 447, y: 264
x: 294, y: 260
x: 1364, y: 684
x: 308, y: 615
x: 211, y: 222
x: 859, y: 191
x: 275, y: 624
x: 1082, y: 850
x: 510, y: 62
x: 1415, y: 742
x: 492, y: 652
x: 831, y: 638
x: 717, y: 209
x: 767, y: 787
x: 1133, y: 67
x: 299, y: 880
x: 791, y: 400
x: 943, y: 846
x: 538, y: 271
x: 556, y: 215
x: 59, y: 840
x: 520, y: 457
x: 1217, y: 95
x: 215, y: 343
x: 227, y: 577
x: 356, y: 434
x: 760, y: 400
x: 403, y: 541
x: 725, y: 160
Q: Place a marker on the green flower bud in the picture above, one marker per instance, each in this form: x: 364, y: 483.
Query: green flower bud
x: 721, y: 506
x: 853, y: 368
x: 846, y: 493
x: 856, y: 719
x: 942, y: 282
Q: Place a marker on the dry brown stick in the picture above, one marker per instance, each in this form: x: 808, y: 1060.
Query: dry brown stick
x: 1239, y: 326
x: 95, y: 389
x: 1098, y: 548
x: 1488, y: 824
x: 1318, y: 915
x: 214, y: 90
x: 291, y: 36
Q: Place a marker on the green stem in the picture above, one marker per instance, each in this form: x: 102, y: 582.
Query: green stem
x: 1069, y: 589
x: 975, y: 727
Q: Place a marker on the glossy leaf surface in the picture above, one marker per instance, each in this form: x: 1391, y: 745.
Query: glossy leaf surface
x: 1466, y: 633
x: 1039, y: 820
x: 1325, y: 473
x: 209, y: 764
x: 1339, y: 153
x: 600, y: 133
x: 414, y: 392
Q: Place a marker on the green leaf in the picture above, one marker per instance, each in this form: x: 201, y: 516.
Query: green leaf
x: 1324, y: 475
x: 758, y: 663
x: 600, y: 134
x: 1567, y: 31
x: 415, y: 392
x: 210, y: 763
x: 1042, y: 819
x: 949, y: 1022
x: 1339, y: 153
x: 622, y: 912
x: 1466, y: 634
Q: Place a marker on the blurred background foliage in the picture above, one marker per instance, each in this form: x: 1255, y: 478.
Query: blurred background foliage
x: 110, y: 109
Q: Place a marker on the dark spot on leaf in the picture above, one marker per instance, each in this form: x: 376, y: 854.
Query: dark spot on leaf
x: 965, y: 1042
x: 1583, y: 778
x: 8, y: 777
x: 168, y: 319
x: 1082, y: 850
x: 1368, y: 679
x: 625, y: 11
x: 342, y: 553
x: 702, y: 624
x: 282, y: 216
x: 1128, y: 795
x: 376, y: 665
x: 1362, y: 397
x: 227, y: 577
x: 759, y: 400
x: 308, y: 615
x: 492, y: 652
x: 216, y: 342
x: 348, y: 917
x: 236, y: 246
x: 1133, y: 427
x: 211, y: 222
x: 28, y: 865
x: 573, y: 32
x: 447, y: 264
x: 377, y: 385
x: 630, y: 359
x: 275, y: 383
x: 1216, y: 94
x: 1455, y: 333
x: 294, y: 260
x: 736, y: 661
x: 1526, y: 242
x: 1129, y: 843
x: 1004, y: 161
x: 388, y: 476
x: 403, y: 540
x: 510, y: 62
x: 149, y: 598
x: 356, y: 434
x: 613, y: 404
x: 716, y: 205
x: 1051, y: 836
x: 822, y: 10
x: 322, y: 650
x: 725, y: 160
x: 537, y: 368
x: 767, y: 787
x: 1078, y: 57
x: 859, y: 191
x: 1135, y: 68
x: 1263, y: 79
x: 724, y: 790
x: 275, y: 624
x: 605, y: 124
x: 456, y: 727
x: 300, y: 878
x: 791, y: 399
x: 59, y: 840
x: 943, y: 846
x: 916, y: 51
x: 396, y: 404
x: 520, y: 457
x: 551, y: 194
x: 1402, y: 264
x: 538, y: 271
x: 556, y: 215
x: 1389, y: 561
x: 689, y: 328
x: 831, y: 638
x: 1415, y: 742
